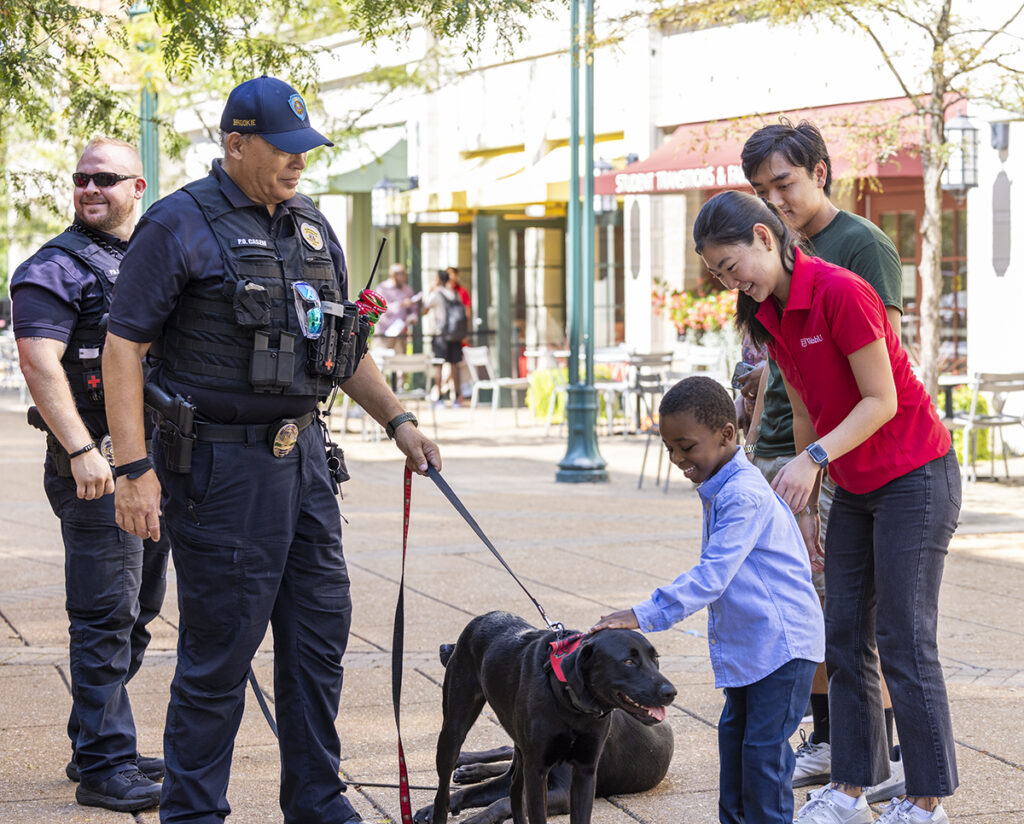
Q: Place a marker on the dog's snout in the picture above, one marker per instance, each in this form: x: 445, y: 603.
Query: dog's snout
x: 668, y: 692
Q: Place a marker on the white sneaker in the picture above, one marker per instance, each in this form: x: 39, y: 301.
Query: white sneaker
x: 823, y: 809
x: 903, y: 812
x: 813, y: 763
x: 895, y: 785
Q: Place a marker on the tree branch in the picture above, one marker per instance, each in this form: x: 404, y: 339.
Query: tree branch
x: 885, y: 56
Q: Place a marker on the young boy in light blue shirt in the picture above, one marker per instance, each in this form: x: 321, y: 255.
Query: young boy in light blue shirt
x: 766, y: 633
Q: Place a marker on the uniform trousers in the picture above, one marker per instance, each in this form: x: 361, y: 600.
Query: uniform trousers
x: 114, y: 586
x: 256, y: 541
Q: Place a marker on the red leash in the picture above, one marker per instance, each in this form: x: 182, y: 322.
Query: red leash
x: 397, y: 648
x: 397, y: 642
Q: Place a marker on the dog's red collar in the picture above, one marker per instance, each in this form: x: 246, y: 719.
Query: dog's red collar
x: 559, y: 649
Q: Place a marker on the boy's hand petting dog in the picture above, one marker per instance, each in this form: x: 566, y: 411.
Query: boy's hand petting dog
x: 623, y: 619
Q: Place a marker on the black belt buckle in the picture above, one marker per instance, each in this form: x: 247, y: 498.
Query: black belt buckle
x: 282, y: 436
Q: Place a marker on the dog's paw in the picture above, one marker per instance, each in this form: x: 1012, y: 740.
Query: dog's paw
x: 474, y: 773
x: 424, y: 814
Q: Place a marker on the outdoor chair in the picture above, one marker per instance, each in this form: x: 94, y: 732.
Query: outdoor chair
x: 1000, y: 386
x: 396, y: 368
x: 478, y: 360
x: 400, y: 369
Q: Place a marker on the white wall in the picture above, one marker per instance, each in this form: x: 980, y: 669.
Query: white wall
x: 994, y: 302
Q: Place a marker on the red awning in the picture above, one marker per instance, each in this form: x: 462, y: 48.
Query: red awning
x: 869, y: 139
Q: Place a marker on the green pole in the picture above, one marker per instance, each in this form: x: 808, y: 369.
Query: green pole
x: 149, y: 143
x: 582, y: 461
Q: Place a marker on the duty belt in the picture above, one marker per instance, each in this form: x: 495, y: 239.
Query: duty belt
x: 280, y: 435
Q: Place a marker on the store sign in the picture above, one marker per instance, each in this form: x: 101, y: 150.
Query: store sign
x: 677, y: 180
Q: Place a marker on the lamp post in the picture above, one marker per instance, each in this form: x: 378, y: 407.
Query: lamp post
x: 961, y: 173
x: 582, y: 461
x: 149, y: 139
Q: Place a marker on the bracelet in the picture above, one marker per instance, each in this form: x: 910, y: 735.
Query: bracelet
x: 82, y: 451
x: 748, y: 448
x: 135, y: 469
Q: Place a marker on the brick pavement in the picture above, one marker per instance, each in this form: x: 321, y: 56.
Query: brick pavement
x: 582, y: 551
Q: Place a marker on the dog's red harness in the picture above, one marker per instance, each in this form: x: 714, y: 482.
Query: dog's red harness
x: 559, y: 649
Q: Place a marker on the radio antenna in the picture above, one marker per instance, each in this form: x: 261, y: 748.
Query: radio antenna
x: 380, y: 251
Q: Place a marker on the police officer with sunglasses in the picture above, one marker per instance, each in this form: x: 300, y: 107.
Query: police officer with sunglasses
x: 248, y: 304
x: 114, y: 581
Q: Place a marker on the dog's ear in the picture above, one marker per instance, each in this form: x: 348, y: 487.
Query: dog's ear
x: 584, y: 653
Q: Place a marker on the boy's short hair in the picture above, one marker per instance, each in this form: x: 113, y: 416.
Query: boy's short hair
x: 801, y: 145
x: 705, y: 397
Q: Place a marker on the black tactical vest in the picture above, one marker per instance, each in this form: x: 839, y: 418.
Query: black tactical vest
x: 249, y: 339
x: 84, y: 352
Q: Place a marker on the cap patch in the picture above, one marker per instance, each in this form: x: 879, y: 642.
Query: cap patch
x: 298, y: 106
x: 312, y: 236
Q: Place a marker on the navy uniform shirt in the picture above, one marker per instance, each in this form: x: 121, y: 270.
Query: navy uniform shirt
x: 49, y: 292
x: 173, y: 245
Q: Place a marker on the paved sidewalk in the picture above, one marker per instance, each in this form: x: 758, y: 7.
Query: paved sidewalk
x: 582, y: 550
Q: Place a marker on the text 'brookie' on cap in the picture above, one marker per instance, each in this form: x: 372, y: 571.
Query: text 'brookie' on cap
x: 275, y: 111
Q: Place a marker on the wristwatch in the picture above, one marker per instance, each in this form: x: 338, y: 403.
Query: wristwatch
x: 398, y: 420
x: 818, y: 455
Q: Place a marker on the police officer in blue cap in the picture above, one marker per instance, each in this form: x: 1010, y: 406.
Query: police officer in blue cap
x: 243, y: 283
x: 114, y: 581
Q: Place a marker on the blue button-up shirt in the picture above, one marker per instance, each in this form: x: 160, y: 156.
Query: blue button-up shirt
x: 754, y: 577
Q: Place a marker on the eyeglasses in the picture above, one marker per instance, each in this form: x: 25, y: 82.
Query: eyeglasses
x: 307, y: 307
x: 102, y: 179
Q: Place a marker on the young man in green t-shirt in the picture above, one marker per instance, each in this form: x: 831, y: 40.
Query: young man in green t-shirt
x: 789, y: 166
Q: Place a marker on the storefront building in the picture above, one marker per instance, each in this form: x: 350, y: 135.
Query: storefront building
x: 474, y: 174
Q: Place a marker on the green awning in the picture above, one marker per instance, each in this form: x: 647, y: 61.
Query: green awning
x: 359, y: 169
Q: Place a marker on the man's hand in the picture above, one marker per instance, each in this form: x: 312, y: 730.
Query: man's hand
x: 92, y: 475
x: 809, y: 522
x: 418, y: 449
x: 623, y: 619
x: 749, y: 382
x: 138, y: 505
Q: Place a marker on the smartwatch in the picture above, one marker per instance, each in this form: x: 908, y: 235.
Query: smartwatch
x: 818, y: 455
x: 398, y: 420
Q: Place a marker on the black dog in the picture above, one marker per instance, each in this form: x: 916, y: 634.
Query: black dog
x: 556, y: 701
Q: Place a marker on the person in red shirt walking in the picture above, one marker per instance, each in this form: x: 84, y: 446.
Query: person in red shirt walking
x: 895, y: 509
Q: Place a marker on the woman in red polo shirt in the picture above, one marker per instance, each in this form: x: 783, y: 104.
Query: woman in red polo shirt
x: 894, y: 513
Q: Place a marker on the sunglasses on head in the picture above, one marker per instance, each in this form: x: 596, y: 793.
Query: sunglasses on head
x: 102, y: 179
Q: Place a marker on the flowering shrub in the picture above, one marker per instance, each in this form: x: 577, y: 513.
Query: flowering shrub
x: 694, y: 309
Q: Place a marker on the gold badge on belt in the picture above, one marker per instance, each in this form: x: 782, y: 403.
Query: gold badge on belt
x: 283, y: 436
x: 107, y: 449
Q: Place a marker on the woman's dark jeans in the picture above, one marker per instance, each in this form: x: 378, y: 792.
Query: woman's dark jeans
x: 885, y: 553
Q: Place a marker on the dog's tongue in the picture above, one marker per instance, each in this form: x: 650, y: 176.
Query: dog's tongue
x: 657, y: 713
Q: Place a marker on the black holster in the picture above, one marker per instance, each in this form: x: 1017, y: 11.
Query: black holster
x: 174, y: 420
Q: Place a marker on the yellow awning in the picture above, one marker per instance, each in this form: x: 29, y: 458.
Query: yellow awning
x: 545, y: 182
x: 450, y: 193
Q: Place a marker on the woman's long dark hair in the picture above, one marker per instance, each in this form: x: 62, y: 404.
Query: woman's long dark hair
x: 729, y: 217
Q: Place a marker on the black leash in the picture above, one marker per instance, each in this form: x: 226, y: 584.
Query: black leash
x: 446, y: 490
x: 398, y: 636
x: 262, y: 701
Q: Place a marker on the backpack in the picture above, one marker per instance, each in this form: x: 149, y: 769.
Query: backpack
x: 456, y: 322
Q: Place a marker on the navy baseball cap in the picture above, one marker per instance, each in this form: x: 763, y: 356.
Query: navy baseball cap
x: 275, y: 111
